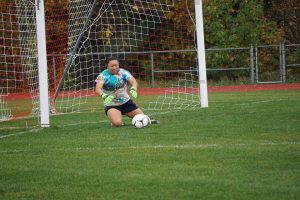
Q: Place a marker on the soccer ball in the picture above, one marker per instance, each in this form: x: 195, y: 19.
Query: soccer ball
x: 140, y: 120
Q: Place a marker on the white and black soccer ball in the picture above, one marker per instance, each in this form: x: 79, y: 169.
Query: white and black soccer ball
x: 140, y: 121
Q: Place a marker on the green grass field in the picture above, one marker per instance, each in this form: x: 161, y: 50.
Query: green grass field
x: 244, y: 146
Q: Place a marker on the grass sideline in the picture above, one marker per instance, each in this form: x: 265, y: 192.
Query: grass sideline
x: 244, y: 146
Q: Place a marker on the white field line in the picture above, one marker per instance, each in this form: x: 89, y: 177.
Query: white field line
x: 80, y: 123
x: 247, y: 103
x: 11, y: 128
x: 38, y: 129
x: 258, y: 102
x: 21, y: 133
x: 75, y: 124
x: 158, y: 146
x: 187, y: 146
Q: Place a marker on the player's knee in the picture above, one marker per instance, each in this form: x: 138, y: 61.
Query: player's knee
x: 116, y: 123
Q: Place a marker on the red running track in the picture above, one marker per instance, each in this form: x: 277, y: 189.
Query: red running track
x: 158, y: 91
x: 229, y: 88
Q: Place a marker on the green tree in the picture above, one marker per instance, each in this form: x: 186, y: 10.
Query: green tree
x: 227, y: 23
x: 230, y: 23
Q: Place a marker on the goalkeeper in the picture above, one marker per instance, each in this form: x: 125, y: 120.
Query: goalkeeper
x: 112, y: 88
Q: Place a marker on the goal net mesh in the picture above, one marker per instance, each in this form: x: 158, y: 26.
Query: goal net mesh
x: 18, y: 61
x: 141, y: 33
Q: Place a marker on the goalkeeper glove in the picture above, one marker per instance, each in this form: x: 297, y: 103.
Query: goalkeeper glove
x: 107, y: 98
x: 133, y: 92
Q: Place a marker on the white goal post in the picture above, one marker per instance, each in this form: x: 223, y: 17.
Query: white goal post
x: 42, y: 63
x: 201, y: 54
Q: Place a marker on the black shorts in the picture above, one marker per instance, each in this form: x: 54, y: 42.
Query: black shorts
x: 124, y: 108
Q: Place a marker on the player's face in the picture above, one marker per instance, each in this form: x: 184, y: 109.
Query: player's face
x: 113, y: 66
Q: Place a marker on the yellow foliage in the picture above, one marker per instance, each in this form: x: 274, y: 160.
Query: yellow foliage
x: 135, y: 8
x: 107, y: 33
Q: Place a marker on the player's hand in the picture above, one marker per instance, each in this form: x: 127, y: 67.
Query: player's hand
x: 133, y: 92
x: 107, y: 98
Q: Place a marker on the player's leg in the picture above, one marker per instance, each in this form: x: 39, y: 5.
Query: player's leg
x: 115, y: 117
x: 139, y: 111
x: 130, y: 109
x: 131, y: 114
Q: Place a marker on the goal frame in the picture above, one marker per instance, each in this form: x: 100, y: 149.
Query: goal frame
x: 42, y: 60
x: 203, y: 93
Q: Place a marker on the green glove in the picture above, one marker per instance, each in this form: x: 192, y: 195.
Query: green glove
x: 107, y: 98
x: 133, y: 92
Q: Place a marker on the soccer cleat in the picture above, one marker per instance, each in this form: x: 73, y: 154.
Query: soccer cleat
x: 154, y: 121
x: 123, y: 124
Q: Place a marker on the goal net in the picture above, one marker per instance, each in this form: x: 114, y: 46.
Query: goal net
x: 147, y: 37
x: 142, y: 34
x: 18, y: 62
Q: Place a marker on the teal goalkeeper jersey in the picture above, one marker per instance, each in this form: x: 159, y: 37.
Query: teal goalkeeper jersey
x: 115, y: 85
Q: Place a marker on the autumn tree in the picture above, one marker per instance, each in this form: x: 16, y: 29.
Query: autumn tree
x: 286, y: 13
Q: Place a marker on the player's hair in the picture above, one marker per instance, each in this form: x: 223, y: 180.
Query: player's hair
x: 110, y: 59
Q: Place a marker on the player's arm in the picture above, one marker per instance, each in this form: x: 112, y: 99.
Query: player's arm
x: 134, y: 86
x: 99, y: 87
x: 105, y: 97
